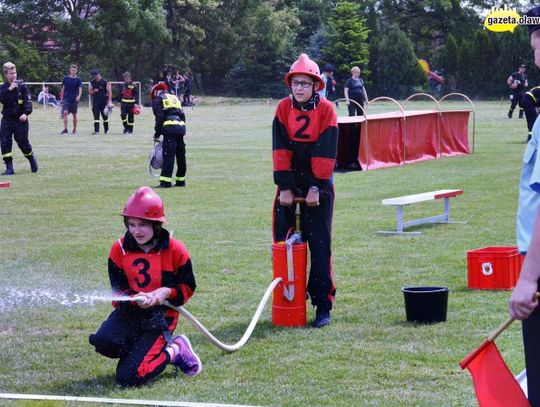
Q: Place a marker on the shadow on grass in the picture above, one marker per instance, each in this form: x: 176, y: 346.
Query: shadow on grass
x: 97, y: 386
x: 232, y: 333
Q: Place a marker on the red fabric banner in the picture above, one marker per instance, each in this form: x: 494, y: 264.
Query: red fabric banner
x: 382, y: 145
x: 454, y: 133
x: 395, y: 138
x: 494, y: 383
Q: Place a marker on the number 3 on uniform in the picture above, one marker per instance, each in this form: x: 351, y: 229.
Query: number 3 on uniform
x: 143, y: 265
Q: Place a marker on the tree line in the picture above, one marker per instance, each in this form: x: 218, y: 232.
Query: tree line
x: 244, y: 47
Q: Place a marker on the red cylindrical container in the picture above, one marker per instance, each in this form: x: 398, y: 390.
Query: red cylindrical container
x: 285, y: 312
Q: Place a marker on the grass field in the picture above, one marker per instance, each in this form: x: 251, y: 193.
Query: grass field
x: 58, y: 225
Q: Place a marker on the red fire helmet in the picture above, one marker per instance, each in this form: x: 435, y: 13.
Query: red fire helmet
x: 136, y: 110
x: 144, y: 203
x: 304, y: 65
x: 156, y: 88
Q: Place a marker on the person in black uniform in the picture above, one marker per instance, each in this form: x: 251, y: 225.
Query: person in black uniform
x: 101, y: 93
x: 17, y: 106
x: 517, y: 81
x: 170, y: 121
x: 529, y: 103
x: 129, y: 99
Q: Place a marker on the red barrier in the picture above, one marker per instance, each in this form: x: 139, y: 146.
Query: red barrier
x: 395, y: 138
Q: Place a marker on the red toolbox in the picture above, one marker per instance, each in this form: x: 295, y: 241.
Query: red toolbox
x: 493, y: 267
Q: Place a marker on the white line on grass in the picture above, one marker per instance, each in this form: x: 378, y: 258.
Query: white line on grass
x: 15, y: 396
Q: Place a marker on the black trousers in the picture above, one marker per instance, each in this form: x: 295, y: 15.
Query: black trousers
x: 97, y: 110
x: 14, y: 129
x: 316, y: 227
x: 127, y: 115
x: 173, y: 148
x: 528, y: 106
x: 138, y: 343
x: 354, y: 109
x: 531, y: 343
x: 516, y: 98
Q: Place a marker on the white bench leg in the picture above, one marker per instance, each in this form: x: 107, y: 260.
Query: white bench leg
x: 399, y: 227
x: 446, y: 210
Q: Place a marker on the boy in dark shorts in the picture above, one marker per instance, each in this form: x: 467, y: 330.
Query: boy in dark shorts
x: 70, y: 94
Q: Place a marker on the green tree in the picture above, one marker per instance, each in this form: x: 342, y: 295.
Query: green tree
x: 31, y: 65
x: 347, y: 44
x: 465, y: 77
x: 447, y: 59
x: 428, y: 22
x: 266, y: 53
x: 312, y: 15
x: 131, y: 36
x: 482, y: 63
x: 398, y: 70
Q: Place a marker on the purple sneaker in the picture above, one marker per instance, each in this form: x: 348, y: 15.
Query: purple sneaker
x: 186, y: 360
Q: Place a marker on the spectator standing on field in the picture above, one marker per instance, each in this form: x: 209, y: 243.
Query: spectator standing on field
x: 101, y: 93
x: 355, y: 91
x: 522, y: 304
x: 17, y: 106
x: 517, y: 81
x: 327, y: 73
x: 331, y: 88
x: 178, y: 80
x: 70, y: 94
x: 186, y: 100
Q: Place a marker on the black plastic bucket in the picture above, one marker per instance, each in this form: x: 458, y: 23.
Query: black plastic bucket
x: 425, y: 305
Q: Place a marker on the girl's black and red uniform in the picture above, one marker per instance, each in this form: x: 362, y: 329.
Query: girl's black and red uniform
x: 128, y: 98
x: 134, y: 335
x: 304, y: 148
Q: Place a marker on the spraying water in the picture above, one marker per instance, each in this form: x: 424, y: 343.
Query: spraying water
x: 13, y: 297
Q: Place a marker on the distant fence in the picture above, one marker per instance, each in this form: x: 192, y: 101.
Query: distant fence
x: 85, y: 84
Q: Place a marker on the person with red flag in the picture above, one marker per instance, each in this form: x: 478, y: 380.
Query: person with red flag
x: 522, y: 304
x: 149, y: 264
x: 304, y: 148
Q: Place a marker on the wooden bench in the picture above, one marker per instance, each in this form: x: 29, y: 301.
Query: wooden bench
x: 401, y: 201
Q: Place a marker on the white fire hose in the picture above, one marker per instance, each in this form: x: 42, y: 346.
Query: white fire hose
x: 200, y: 327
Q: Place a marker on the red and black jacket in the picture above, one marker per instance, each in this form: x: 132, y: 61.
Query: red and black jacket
x: 168, y: 264
x: 304, y: 144
x: 128, y: 93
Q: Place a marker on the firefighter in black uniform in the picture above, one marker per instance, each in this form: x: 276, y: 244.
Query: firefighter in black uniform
x: 529, y: 103
x: 170, y: 121
x: 129, y: 99
x: 17, y: 103
x: 517, y: 82
x: 101, y: 93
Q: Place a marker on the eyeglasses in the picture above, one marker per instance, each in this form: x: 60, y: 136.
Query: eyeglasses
x: 304, y: 84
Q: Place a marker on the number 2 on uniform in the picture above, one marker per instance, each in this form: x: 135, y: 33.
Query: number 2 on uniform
x: 299, y: 133
x: 143, y: 271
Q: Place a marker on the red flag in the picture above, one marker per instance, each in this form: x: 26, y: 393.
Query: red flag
x: 494, y: 383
